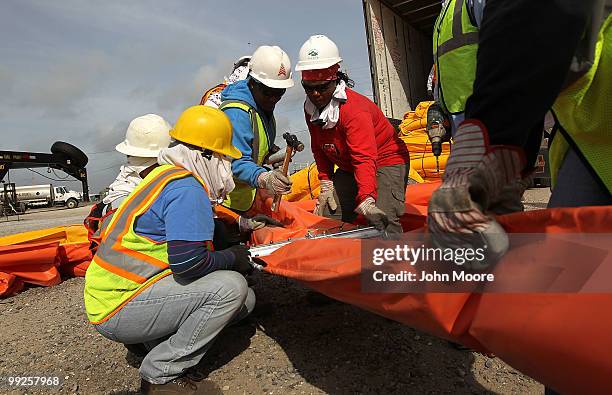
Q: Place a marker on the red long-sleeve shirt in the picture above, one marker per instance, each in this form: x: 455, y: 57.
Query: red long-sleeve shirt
x: 362, y: 141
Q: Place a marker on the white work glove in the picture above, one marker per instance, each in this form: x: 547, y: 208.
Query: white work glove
x: 326, y: 198
x: 276, y: 159
x: 474, y: 180
x: 256, y: 222
x: 375, y: 216
x: 274, y: 182
x: 510, y: 197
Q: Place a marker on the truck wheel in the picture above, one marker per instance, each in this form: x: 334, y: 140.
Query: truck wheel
x: 76, y: 156
x: 72, y: 203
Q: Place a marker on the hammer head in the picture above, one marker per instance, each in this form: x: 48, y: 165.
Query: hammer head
x: 293, y: 142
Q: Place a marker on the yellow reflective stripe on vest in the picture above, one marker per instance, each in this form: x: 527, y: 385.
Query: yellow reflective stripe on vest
x: 455, y: 49
x: 243, y: 195
x: 126, y: 262
x: 585, y: 114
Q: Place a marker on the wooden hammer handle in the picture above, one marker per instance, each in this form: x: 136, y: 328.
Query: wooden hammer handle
x: 277, y: 198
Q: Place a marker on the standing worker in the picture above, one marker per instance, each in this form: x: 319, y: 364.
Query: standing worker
x: 520, y: 57
x: 348, y: 130
x: 154, y: 280
x: 250, y: 104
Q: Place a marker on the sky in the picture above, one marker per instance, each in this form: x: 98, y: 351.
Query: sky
x: 80, y: 71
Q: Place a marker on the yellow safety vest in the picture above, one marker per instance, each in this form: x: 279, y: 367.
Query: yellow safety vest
x: 126, y: 263
x: 243, y: 195
x: 584, y: 112
x: 455, y: 45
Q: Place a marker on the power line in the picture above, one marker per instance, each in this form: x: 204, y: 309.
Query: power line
x: 106, y: 168
x: 100, y: 152
x: 62, y: 178
x: 44, y: 176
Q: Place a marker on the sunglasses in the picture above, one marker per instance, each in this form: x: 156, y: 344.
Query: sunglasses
x: 321, y: 88
x: 269, y: 92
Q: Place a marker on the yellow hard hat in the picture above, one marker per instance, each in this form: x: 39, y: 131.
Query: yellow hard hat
x: 206, y: 127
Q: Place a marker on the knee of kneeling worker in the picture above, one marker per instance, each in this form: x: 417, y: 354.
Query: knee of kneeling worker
x: 235, y: 287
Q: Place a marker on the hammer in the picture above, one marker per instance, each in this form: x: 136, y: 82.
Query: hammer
x: 292, y: 144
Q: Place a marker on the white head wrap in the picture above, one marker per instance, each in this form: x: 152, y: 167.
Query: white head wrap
x: 216, y: 172
x: 127, y: 179
x: 331, y: 113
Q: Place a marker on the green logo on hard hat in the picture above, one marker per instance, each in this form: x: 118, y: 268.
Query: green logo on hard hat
x: 313, y: 53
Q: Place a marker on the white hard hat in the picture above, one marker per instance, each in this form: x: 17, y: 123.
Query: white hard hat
x: 145, y: 136
x: 318, y: 52
x: 271, y: 66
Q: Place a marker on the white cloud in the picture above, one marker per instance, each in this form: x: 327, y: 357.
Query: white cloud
x: 58, y: 90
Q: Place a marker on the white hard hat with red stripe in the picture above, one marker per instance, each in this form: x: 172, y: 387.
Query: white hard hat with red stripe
x: 271, y: 66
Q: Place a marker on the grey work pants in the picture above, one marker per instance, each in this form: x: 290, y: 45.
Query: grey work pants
x: 178, y: 322
x: 391, y: 186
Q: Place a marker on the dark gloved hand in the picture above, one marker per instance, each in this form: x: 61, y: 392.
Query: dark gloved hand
x: 375, y: 216
x: 256, y: 222
x: 242, y: 260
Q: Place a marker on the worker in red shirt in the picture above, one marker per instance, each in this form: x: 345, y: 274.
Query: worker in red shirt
x: 348, y: 130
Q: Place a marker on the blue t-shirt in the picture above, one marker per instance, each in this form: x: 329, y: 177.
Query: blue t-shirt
x: 182, y: 211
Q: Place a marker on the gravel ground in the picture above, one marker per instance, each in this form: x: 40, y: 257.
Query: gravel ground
x: 289, y: 348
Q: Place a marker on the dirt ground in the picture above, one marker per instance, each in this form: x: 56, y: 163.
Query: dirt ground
x: 290, y: 348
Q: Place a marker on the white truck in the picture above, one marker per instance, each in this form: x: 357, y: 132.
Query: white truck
x: 46, y: 195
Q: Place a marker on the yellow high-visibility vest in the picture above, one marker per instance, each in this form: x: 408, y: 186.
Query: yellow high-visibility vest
x: 243, y: 195
x: 455, y: 44
x: 584, y: 112
x: 127, y: 263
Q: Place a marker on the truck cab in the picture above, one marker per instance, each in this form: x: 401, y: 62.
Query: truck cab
x: 64, y: 197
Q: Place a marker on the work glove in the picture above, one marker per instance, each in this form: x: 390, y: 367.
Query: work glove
x: 274, y: 182
x: 278, y: 157
x: 242, y: 259
x: 256, y: 222
x: 477, y: 177
x: 375, y: 216
x: 510, y: 197
x: 326, y: 198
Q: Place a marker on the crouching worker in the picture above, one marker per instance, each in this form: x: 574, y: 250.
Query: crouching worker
x: 144, y: 138
x: 155, y: 281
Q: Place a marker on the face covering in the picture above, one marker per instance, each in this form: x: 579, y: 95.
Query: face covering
x: 331, y: 113
x: 127, y: 179
x: 216, y: 172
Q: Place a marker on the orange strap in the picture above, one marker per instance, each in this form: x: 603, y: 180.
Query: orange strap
x: 214, y: 89
x: 225, y: 214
